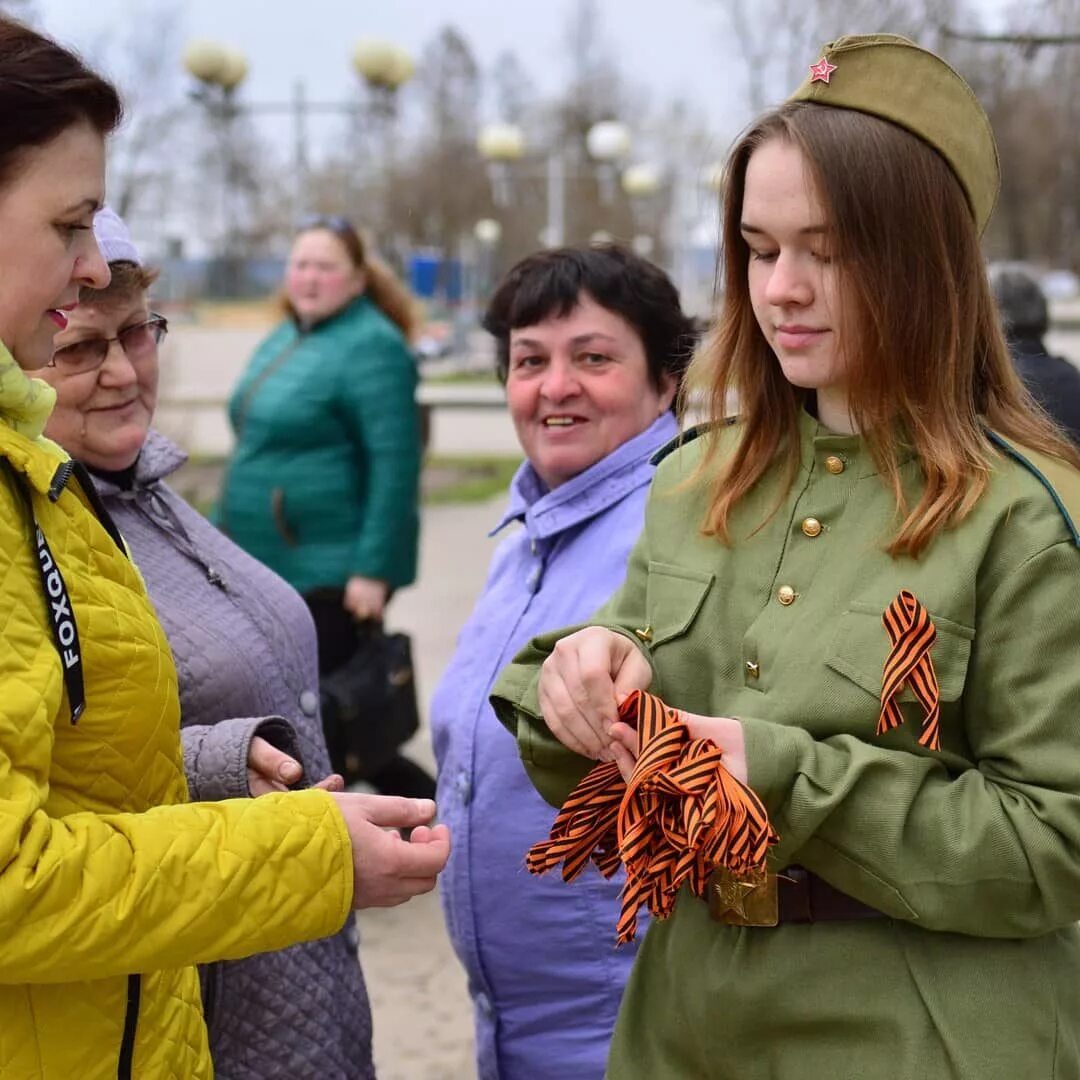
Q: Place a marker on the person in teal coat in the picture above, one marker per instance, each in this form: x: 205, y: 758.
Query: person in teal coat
x: 323, y: 486
x: 859, y: 588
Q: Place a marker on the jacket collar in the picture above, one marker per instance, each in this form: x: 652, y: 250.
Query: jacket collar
x: 25, y: 405
x: 1027, y: 345
x: 547, y: 513
x: 160, y: 457
x: 816, y: 439
x: 356, y: 304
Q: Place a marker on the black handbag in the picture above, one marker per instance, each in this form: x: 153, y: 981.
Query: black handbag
x: 369, y: 704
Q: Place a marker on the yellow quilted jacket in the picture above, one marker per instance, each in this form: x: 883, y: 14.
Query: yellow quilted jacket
x: 111, y: 885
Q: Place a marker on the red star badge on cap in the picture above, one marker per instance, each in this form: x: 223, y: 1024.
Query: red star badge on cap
x: 821, y: 71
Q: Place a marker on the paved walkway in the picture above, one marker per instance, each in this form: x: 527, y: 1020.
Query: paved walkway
x: 422, y: 1015
x: 419, y: 1004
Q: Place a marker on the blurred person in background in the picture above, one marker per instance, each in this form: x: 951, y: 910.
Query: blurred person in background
x: 1052, y: 380
x: 591, y: 345
x: 244, y: 647
x: 112, y: 885
x: 323, y: 486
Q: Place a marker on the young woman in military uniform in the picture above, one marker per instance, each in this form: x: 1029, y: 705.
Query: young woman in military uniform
x: 888, y: 499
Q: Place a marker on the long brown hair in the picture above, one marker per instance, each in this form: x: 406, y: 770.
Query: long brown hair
x: 927, y: 364
x: 386, y: 291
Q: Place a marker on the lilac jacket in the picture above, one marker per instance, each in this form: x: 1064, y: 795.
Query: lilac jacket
x: 244, y: 646
x: 540, y: 955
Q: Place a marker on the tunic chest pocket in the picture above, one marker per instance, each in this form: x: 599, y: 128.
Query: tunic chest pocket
x: 861, y: 645
x: 673, y: 598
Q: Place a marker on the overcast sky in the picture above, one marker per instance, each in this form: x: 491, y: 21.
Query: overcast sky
x: 667, y: 48
x: 673, y: 48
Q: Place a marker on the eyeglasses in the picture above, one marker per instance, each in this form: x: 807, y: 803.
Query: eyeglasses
x: 138, y: 342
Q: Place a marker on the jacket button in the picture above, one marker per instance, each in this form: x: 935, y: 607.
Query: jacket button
x: 811, y: 527
x: 752, y: 669
x: 464, y: 787
x: 309, y: 702
x: 786, y: 595
x: 835, y: 464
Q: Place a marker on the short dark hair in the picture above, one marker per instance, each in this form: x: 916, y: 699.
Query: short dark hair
x: 44, y: 90
x: 551, y: 283
x: 1020, y: 299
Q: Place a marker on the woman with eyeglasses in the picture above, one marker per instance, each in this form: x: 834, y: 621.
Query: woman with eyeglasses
x: 113, y: 885
x: 323, y: 486
x: 244, y: 648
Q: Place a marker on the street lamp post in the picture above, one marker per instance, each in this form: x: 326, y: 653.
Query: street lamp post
x: 219, y: 71
x: 641, y: 183
x: 502, y: 145
x: 384, y: 69
x: 487, y: 232
x: 608, y: 142
x: 689, y: 230
x: 555, y: 229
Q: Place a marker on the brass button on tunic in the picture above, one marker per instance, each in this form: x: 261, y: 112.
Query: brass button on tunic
x: 786, y: 595
x: 811, y: 527
x: 835, y: 465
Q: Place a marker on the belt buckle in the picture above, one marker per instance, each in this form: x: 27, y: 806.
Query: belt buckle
x: 744, y: 900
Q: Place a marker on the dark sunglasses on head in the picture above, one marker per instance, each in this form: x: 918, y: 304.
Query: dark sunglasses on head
x: 334, y: 222
x: 138, y: 341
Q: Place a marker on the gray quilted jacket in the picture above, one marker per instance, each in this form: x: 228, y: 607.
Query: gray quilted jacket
x: 244, y: 646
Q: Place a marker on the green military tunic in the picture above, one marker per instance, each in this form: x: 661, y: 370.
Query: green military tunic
x: 973, y: 850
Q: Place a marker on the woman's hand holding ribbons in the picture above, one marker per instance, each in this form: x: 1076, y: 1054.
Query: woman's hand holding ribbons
x: 582, y: 683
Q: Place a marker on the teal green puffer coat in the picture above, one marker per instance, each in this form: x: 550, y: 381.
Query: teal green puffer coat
x: 324, y: 481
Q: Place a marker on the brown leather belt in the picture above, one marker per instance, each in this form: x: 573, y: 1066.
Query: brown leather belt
x: 805, y: 898
x: 795, y: 895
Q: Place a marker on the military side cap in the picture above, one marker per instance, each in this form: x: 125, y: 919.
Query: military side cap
x: 890, y: 77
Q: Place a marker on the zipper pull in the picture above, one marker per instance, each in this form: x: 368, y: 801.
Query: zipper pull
x: 60, y: 479
x: 216, y: 579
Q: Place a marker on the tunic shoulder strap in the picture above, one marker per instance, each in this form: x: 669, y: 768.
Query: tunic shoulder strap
x: 688, y: 436
x: 1060, y: 479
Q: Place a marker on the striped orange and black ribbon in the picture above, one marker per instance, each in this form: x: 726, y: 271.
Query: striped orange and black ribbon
x: 682, y: 816
x: 912, y: 633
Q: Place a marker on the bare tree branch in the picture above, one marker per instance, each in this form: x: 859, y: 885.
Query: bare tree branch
x: 1028, y: 42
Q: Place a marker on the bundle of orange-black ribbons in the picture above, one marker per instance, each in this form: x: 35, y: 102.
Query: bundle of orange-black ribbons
x: 681, y: 816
